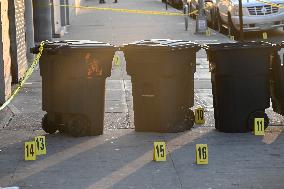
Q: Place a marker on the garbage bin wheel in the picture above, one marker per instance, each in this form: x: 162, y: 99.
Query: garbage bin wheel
x: 48, y: 125
x: 78, y: 126
x: 62, y: 128
x: 189, y: 118
x: 257, y: 114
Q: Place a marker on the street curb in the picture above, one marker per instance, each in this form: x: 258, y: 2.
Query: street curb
x: 5, y: 116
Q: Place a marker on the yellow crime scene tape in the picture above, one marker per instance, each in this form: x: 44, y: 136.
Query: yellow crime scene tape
x: 26, y: 76
x: 272, y: 4
x: 128, y: 10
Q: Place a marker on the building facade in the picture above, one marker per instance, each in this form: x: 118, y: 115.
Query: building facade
x: 24, y: 23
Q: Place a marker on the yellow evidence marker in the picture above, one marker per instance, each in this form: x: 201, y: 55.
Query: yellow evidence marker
x: 208, y: 32
x: 116, y: 60
x: 199, y: 116
x: 30, y: 151
x: 40, y: 145
x: 160, y: 152
x: 259, y: 126
x: 264, y: 35
x: 232, y: 37
x: 201, y: 154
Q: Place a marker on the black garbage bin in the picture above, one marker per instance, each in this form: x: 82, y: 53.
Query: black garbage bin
x: 240, y: 84
x: 73, y: 86
x: 162, y: 74
x: 277, y: 83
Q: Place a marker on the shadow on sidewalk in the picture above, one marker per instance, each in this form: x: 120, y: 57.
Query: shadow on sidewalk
x: 123, y: 159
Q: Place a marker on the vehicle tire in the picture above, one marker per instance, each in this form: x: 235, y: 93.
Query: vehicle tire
x: 220, y: 27
x: 48, y: 125
x: 78, y: 126
x: 257, y: 114
x: 232, y: 31
x: 179, y: 4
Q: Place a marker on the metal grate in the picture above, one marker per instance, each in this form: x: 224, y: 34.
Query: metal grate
x: 262, y: 10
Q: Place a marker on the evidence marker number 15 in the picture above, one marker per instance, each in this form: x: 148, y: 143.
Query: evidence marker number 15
x: 160, y: 153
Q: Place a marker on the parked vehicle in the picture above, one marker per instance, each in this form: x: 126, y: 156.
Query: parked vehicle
x: 174, y: 3
x: 257, y: 16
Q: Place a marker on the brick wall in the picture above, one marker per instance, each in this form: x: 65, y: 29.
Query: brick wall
x: 5, y: 61
x: 18, y: 40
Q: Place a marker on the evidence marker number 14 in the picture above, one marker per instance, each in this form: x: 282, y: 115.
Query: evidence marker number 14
x: 30, y: 151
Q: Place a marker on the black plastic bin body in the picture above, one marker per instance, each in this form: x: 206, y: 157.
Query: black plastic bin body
x: 240, y: 84
x: 162, y: 74
x: 73, y: 86
x: 277, y: 83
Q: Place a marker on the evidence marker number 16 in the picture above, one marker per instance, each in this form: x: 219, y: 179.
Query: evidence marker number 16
x: 201, y: 154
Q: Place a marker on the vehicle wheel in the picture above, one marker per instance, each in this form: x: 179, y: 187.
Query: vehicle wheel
x: 48, y: 125
x: 78, y: 126
x: 257, y: 114
x: 179, y: 5
x: 220, y: 27
x: 232, y: 31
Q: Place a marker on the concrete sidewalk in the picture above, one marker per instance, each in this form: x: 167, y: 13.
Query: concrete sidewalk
x: 122, y: 158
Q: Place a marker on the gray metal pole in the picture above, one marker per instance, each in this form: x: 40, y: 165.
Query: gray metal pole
x: 63, y: 13
x: 67, y: 13
x: 241, y: 20
x: 29, y: 28
x: 42, y: 20
x: 201, y: 21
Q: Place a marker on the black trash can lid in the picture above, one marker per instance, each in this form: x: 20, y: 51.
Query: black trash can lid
x: 239, y: 45
x: 281, y: 44
x: 79, y: 44
x: 162, y: 44
x: 73, y: 44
